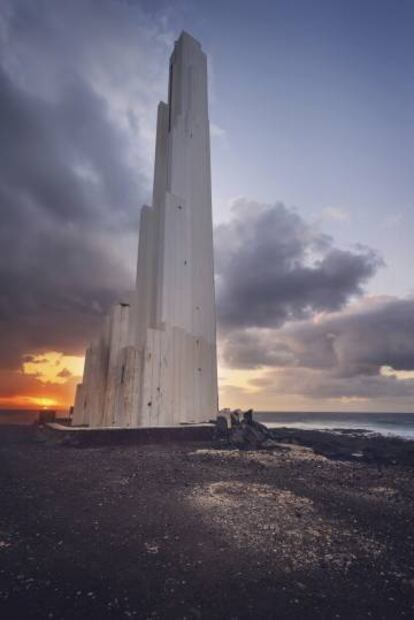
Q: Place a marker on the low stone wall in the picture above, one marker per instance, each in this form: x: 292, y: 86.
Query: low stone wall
x: 85, y: 437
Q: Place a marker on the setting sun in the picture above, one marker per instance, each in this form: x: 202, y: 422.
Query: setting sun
x: 28, y: 402
x: 44, y: 403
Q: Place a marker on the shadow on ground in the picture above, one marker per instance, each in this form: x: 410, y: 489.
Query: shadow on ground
x: 190, y: 531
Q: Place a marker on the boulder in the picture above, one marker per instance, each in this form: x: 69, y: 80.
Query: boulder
x: 222, y: 429
x: 235, y: 418
x: 237, y: 438
x: 245, y: 433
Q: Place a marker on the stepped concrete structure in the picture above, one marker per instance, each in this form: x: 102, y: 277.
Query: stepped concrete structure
x: 155, y: 361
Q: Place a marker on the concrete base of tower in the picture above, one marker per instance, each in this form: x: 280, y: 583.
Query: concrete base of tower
x: 171, y: 380
x: 86, y: 436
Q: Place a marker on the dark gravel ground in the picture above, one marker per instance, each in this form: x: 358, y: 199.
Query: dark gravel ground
x: 191, y: 531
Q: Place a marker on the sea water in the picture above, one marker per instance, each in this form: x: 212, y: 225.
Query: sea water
x: 23, y: 417
x: 392, y: 424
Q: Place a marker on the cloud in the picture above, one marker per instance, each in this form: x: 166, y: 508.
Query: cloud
x: 254, y: 348
x: 64, y: 374
x: 365, y: 351
x: 291, y: 318
x: 368, y: 336
x: 334, y: 213
x: 217, y: 132
x: 287, y: 304
x: 80, y: 82
x: 326, y: 385
x: 55, y: 251
x: 401, y: 375
x: 53, y: 367
x: 361, y: 339
x: 273, y: 267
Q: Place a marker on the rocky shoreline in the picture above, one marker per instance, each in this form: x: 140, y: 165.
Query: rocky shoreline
x: 319, y: 525
x: 353, y: 445
x: 242, y: 431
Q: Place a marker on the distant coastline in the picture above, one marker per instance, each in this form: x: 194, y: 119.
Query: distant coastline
x: 386, y: 424
x: 24, y: 417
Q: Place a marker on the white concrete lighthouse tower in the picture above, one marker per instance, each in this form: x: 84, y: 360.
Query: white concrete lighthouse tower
x: 155, y: 363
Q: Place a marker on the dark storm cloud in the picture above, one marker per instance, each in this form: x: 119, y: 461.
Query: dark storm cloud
x: 326, y: 385
x: 72, y: 140
x: 64, y: 159
x: 61, y: 171
x: 255, y: 348
x: 282, y: 296
x: 272, y: 267
x: 79, y: 83
x: 342, y: 355
x: 358, y: 342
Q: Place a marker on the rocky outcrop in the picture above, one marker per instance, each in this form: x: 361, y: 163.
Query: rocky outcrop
x: 240, y: 430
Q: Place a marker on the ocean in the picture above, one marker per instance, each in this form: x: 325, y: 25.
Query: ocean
x: 391, y: 424
x: 22, y: 416
x: 394, y: 424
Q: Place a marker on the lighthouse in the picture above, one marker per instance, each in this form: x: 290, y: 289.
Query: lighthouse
x: 155, y: 362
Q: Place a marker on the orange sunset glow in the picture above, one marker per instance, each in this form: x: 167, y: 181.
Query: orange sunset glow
x: 28, y: 402
x: 45, y: 380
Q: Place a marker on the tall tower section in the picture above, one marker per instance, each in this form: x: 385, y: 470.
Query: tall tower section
x: 155, y: 362
x: 175, y: 302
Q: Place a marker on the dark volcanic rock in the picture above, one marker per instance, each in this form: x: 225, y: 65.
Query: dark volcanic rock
x: 221, y: 432
x: 248, y: 434
x: 186, y: 530
x: 370, y: 448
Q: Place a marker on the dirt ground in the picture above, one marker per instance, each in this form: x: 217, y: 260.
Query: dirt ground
x: 193, y: 531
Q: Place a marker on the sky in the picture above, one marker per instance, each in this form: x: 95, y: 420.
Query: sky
x: 312, y: 127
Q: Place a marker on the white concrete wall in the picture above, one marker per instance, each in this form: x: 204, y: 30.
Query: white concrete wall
x: 189, y: 180
x: 179, y: 378
x: 155, y: 363
x: 143, y: 308
x: 118, y: 339
x: 187, y: 301
x: 78, y: 417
